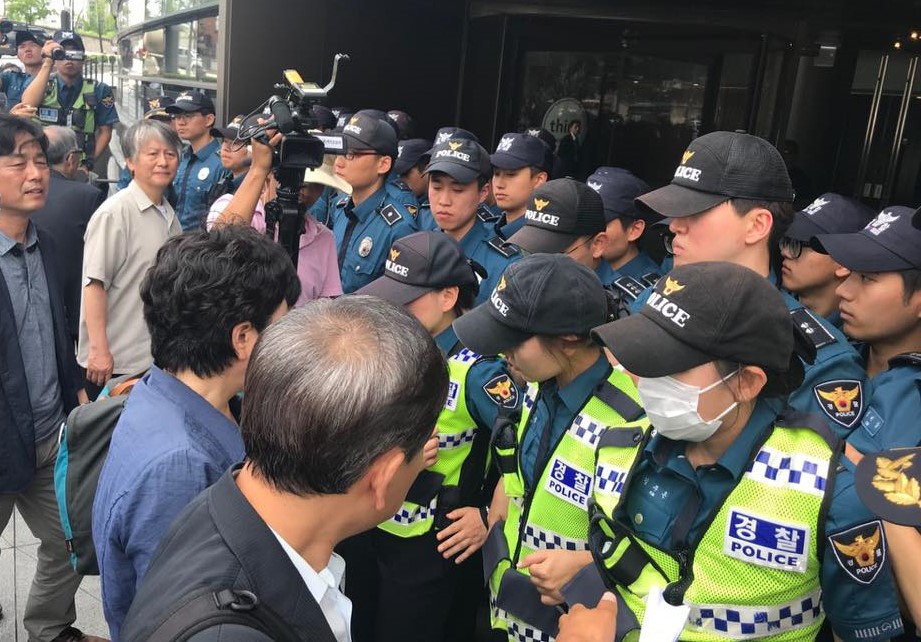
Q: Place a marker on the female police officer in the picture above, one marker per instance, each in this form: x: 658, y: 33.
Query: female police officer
x: 718, y: 530
x: 540, y: 315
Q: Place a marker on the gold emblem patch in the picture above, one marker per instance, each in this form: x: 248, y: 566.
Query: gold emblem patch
x: 686, y: 157
x: 540, y: 204
x: 671, y: 286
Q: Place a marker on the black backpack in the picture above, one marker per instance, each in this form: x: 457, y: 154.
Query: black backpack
x: 84, y: 444
x: 206, y: 608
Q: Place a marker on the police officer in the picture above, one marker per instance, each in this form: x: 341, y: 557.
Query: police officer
x: 29, y: 52
x: 458, y: 173
x: 200, y: 166
x: 808, y: 271
x: 70, y: 99
x: 717, y: 529
x: 406, y: 126
x: 520, y: 165
x: 539, y: 316
x: 430, y: 581
x: 412, y: 156
x: 731, y: 200
x: 549, y: 140
x: 368, y: 222
x: 235, y: 159
x: 630, y: 267
x: 566, y: 217
x: 397, y: 190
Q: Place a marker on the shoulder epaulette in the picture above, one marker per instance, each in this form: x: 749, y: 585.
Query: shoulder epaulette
x: 906, y: 359
x: 629, y: 286
x: 501, y: 246
x: 485, y: 214
x: 791, y: 418
x: 618, y: 400
x: 391, y: 215
x: 400, y: 185
x: 651, y: 278
x: 811, y: 329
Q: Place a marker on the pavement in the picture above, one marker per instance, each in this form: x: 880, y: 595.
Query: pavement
x: 17, y: 565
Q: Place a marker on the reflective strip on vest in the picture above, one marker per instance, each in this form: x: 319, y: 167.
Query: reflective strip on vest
x: 747, y: 622
x: 450, y: 441
x: 520, y: 631
x: 610, y: 479
x: 412, y: 513
x: 541, y: 540
x: 776, y: 468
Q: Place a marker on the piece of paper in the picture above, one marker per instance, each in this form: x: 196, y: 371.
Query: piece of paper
x: 662, y: 622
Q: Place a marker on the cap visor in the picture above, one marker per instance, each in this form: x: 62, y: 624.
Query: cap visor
x: 507, y: 161
x: 803, y: 229
x: 535, y: 240
x: 481, y: 332
x: 459, y: 173
x: 393, y: 290
x: 224, y: 132
x: 645, y: 349
x: 178, y: 109
x: 859, y: 252
x: 158, y: 113
x: 675, y: 201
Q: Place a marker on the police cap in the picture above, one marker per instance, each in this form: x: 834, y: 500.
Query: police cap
x: 410, y: 152
x: 888, y: 243
x: 192, y: 101
x: 829, y: 214
x: 363, y: 131
x: 68, y: 38
x: 444, y: 133
x: 515, y: 151
x: 879, y: 484
x: 558, y: 213
x: 462, y: 159
x: 619, y: 189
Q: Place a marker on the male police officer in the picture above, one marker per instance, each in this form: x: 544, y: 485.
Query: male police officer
x: 731, y: 200
x: 520, y: 165
x: 630, y: 267
x: 459, y: 174
x: 200, y: 168
x: 72, y: 100
x: 368, y: 222
x: 808, y: 271
x: 412, y: 156
x: 29, y: 52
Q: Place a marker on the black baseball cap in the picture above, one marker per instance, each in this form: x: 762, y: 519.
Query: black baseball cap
x: 619, y: 189
x: 462, y: 159
x: 405, y: 125
x: 420, y: 263
x: 363, y: 131
x: 881, y: 480
x: 717, y: 167
x: 444, y: 133
x: 888, y: 243
x: 515, y: 151
x: 324, y: 116
x: 830, y: 213
x: 342, y: 119
x: 156, y: 107
x: 68, y: 38
x: 409, y: 153
x: 23, y: 37
x: 192, y: 101
x: 558, y: 213
x: 543, y: 135
x: 700, y: 313
x: 542, y: 294
x: 382, y: 116
x: 231, y: 130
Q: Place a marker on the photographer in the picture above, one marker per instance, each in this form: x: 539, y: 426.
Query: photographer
x: 86, y: 105
x: 317, y: 268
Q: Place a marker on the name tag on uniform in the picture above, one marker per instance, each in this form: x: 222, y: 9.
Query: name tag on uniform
x: 453, y: 393
x: 569, y: 483
x: 48, y: 114
x: 766, y: 542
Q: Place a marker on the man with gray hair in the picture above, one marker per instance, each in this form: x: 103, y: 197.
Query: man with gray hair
x: 122, y: 240
x: 340, y: 397
x: 68, y: 208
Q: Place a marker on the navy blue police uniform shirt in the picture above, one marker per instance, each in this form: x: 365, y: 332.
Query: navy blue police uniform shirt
x: 488, y: 388
x: 835, y: 385
x: 480, y: 245
x: 364, y: 234
x: 13, y: 83
x: 197, y: 174
x: 860, y: 606
x: 504, y: 229
x: 425, y: 220
x: 640, y: 270
x: 891, y: 419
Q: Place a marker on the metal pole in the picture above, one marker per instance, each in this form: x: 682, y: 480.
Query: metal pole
x: 871, y: 125
x: 893, y: 165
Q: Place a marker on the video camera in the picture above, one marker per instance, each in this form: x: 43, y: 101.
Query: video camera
x: 8, y: 26
x: 300, y: 150
x: 64, y: 54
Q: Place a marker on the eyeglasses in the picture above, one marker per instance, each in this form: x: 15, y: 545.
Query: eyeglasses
x: 791, y: 248
x: 352, y: 154
x: 187, y: 115
x: 582, y: 244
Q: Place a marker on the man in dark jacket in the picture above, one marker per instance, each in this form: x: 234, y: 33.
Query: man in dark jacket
x: 38, y: 377
x: 340, y: 396
x: 68, y: 208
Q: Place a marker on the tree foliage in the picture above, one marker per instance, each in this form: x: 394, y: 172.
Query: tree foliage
x: 29, y: 11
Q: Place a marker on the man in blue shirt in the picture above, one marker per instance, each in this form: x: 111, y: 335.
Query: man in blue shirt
x: 808, y: 271
x: 367, y: 223
x: 29, y: 52
x: 459, y: 173
x: 200, y: 167
x: 731, y: 200
x: 521, y: 164
x: 206, y: 300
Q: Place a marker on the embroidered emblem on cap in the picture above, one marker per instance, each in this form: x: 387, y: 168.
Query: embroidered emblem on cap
x: 688, y: 173
x: 502, y: 391
x: 540, y: 204
x: 394, y: 253
x: 501, y: 285
x: 882, y: 223
x: 454, y: 145
x: 896, y: 486
x: 533, y: 132
x: 594, y: 186
x: 841, y: 400
x: 816, y: 205
x: 861, y: 550
x: 686, y: 156
x: 185, y: 97
x: 671, y: 286
x: 364, y: 248
x: 505, y: 144
x: 400, y: 150
x: 154, y: 103
x: 442, y: 137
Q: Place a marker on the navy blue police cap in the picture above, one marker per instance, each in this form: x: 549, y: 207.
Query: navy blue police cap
x: 619, y: 189
x: 515, y: 151
x: 365, y: 132
x: 889, y: 243
x: 462, y: 159
x: 559, y: 212
x: 410, y: 152
x: 830, y: 213
x: 444, y: 133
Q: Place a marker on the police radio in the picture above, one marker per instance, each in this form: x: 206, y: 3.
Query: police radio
x: 290, y: 112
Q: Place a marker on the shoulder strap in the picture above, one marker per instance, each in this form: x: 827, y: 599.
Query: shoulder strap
x: 390, y: 214
x: 501, y: 246
x: 629, y: 287
x: 209, y: 608
x: 791, y: 418
x: 618, y: 400
x: 810, y: 329
x: 906, y: 359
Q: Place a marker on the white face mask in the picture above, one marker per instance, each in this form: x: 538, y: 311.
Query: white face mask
x: 671, y: 406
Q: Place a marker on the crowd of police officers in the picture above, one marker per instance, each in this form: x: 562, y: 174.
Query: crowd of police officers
x: 668, y: 403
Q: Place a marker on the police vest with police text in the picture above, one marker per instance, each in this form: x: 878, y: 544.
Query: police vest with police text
x: 554, y: 513
x: 81, y: 116
x: 755, y: 571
